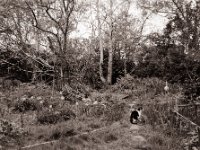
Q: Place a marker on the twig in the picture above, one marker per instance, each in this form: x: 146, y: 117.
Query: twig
x: 186, y: 105
x: 185, y: 118
x: 5, y: 61
x: 39, y: 144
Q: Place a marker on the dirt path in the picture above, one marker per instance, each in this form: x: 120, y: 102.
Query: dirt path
x: 131, y: 139
x: 130, y: 135
x: 139, y: 140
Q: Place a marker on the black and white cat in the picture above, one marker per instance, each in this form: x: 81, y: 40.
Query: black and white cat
x: 135, y: 115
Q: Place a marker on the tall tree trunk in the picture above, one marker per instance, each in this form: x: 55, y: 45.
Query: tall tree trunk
x: 110, y: 57
x: 196, y: 33
x: 37, y: 48
x: 61, y: 78
x: 125, y: 59
x: 100, y: 46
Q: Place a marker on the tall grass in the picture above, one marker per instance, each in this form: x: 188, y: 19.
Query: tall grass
x: 158, y: 106
x: 113, y: 116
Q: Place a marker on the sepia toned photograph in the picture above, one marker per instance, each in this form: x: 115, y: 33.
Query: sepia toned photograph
x: 99, y: 74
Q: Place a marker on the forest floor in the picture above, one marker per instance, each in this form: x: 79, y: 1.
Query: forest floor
x: 101, y: 129
x: 116, y: 136
x: 98, y: 135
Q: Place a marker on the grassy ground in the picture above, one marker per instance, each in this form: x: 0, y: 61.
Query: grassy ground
x: 102, y: 128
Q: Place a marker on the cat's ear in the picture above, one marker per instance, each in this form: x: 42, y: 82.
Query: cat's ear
x: 140, y: 108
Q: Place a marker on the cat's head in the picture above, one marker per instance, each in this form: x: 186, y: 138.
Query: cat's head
x: 140, y: 109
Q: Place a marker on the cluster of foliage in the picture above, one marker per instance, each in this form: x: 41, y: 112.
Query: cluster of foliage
x: 50, y: 117
x: 115, y: 113
x: 11, y: 134
x: 172, y: 65
x: 17, y: 66
x: 57, y: 134
x: 161, y: 117
x: 25, y: 105
x: 141, y: 86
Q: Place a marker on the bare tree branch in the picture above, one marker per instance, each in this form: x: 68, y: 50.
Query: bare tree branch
x: 36, y: 22
x: 44, y: 30
x: 179, y: 8
x: 39, y: 71
x: 53, y: 19
x: 7, y: 30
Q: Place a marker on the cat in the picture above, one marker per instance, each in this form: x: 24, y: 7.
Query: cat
x: 135, y: 115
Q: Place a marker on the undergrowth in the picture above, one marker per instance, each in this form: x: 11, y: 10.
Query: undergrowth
x: 60, y: 119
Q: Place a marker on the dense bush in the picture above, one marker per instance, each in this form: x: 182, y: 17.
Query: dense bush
x: 165, y: 62
x: 158, y: 114
x: 25, y: 105
x: 115, y: 112
x: 11, y: 135
x: 57, y: 133
x: 110, y: 138
x: 141, y: 85
x: 50, y: 117
x: 67, y: 114
x: 191, y: 91
x: 96, y: 110
x: 169, y: 62
x: 9, y: 83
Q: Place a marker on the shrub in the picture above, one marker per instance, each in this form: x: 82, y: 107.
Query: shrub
x: 50, y: 117
x: 56, y: 135
x: 69, y: 132
x: 96, y: 110
x: 157, y: 114
x: 191, y: 91
x: 70, y: 94
x: 140, y: 84
x: 94, y: 125
x: 11, y: 135
x: 59, y: 133
x: 115, y: 112
x: 26, y: 105
x: 67, y: 114
x: 7, y: 84
x: 159, y: 141
x: 110, y: 138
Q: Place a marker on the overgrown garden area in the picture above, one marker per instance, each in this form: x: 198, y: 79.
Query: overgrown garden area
x: 60, y: 91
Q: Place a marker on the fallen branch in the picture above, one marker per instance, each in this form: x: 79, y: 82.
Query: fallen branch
x: 185, y: 118
x: 42, y: 61
x: 39, y: 144
x: 186, y: 105
x: 38, y: 71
